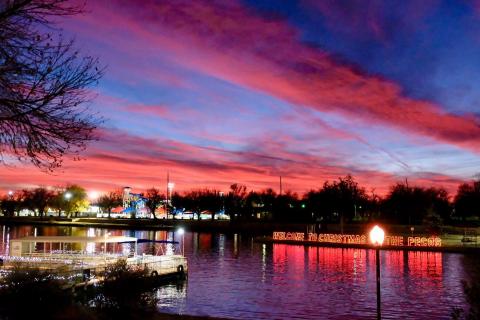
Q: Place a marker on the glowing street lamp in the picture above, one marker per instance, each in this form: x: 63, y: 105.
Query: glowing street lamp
x: 67, y: 196
x: 377, y: 235
x: 10, y: 193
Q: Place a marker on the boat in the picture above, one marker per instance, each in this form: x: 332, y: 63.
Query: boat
x: 77, y: 260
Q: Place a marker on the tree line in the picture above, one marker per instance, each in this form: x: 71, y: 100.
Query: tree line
x: 344, y: 200
x: 69, y: 200
x: 338, y: 201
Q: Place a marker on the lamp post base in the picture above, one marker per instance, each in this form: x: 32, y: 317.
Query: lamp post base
x: 377, y: 256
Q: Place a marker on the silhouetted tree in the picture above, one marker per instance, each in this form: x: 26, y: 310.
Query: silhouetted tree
x: 9, y: 204
x: 235, y: 201
x: 109, y: 201
x: 286, y: 207
x: 262, y: 203
x: 373, y: 206
x: 202, y: 200
x: 37, y: 199
x: 43, y: 85
x: 415, y: 205
x: 211, y: 201
x: 191, y: 202
x: 72, y: 199
x: 440, y: 205
x: 467, y: 200
x: 313, y: 204
x: 154, y: 199
x: 339, y: 199
x: 178, y: 202
x: 253, y: 206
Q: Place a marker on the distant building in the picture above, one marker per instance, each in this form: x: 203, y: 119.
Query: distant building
x: 134, y: 203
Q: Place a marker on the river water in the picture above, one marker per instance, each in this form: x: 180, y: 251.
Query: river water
x: 232, y: 276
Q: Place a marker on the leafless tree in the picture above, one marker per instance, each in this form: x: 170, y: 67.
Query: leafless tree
x: 154, y: 199
x: 44, y: 85
x: 109, y: 201
x: 38, y: 199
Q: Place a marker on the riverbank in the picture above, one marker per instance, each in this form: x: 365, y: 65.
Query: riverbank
x: 470, y: 248
x: 255, y: 227
x: 220, y: 226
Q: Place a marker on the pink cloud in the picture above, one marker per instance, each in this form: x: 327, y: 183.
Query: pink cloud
x: 231, y: 42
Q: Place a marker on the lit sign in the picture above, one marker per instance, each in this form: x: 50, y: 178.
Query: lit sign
x: 337, y: 238
x: 295, y: 236
x: 395, y: 241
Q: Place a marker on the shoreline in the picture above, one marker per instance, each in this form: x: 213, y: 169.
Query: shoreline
x: 306, y: 243
x: 222, y: 226
x: 261, y: 229
x: 252, y: 226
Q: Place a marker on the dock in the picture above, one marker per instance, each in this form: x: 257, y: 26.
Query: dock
x: 75, y: 261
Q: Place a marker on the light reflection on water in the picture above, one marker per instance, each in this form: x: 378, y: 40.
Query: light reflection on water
x: 232, y: 276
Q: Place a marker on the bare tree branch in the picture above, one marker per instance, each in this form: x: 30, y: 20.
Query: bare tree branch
x: 44, y: 85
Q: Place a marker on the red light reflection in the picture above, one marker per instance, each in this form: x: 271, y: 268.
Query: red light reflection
x: 353, y: 263
x: 425, y: 264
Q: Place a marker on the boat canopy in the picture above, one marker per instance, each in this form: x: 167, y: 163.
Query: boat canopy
x: 77, y: 239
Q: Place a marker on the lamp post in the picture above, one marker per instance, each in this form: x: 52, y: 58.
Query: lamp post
x: 67, y: 196
x: 377, y: 235
x: 181, y: 232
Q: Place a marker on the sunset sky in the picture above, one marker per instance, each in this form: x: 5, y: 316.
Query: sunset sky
x: 218, y: 92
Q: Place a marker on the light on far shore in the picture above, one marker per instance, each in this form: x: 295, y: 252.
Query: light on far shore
x: 377, y: 235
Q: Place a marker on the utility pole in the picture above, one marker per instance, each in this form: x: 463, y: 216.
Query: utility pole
x: 166, y: 203
x: 280, y: 185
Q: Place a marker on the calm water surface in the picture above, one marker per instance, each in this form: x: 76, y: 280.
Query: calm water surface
x: 232, y: 276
